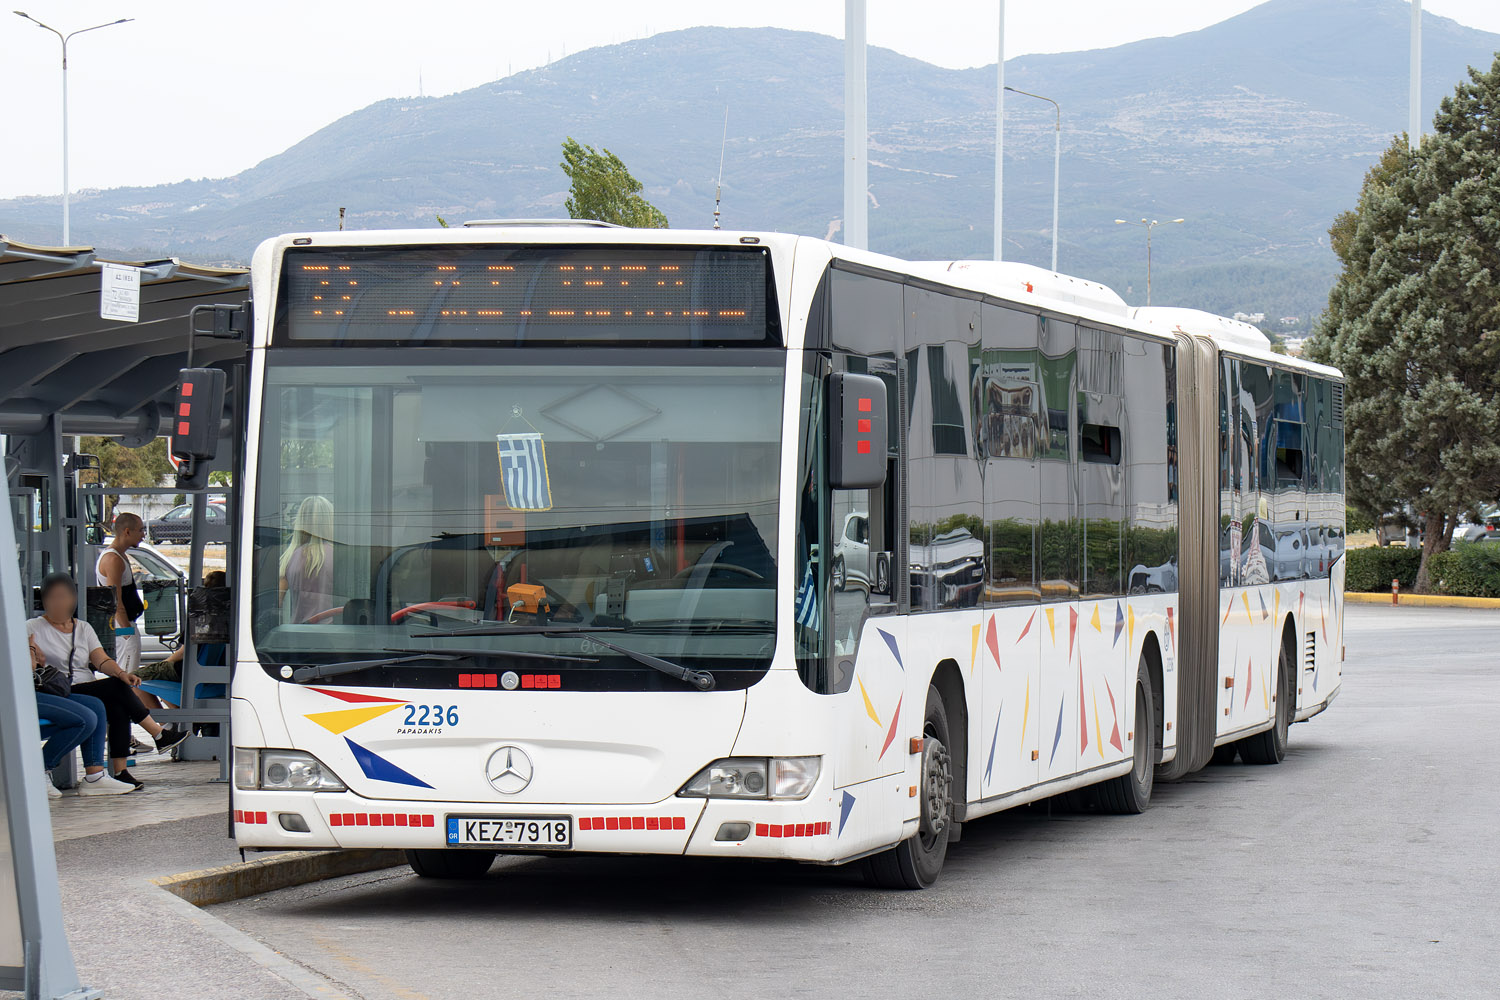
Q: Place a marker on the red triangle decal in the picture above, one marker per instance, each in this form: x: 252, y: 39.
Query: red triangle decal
x: 351, y: 696
x: 993, y: 641
x: 890, y: 736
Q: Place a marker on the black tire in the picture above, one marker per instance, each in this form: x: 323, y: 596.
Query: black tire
x: 1225, y: 755
x: 450, y: 864
x: 1269, y: 747
x: 916, y: 862
x: 1131, y: 793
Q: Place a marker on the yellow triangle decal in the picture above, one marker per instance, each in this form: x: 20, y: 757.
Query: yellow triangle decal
x: 1051, y: 626
x: 869, y: 708
x: 1026, y: 711
x: 1245, y: 596
x: 347, y: 718
x: 973, y: 647
x: 1276, y: 611
x: 1098, y: 733
x: 1094, y: 621
x: 1130, y: 618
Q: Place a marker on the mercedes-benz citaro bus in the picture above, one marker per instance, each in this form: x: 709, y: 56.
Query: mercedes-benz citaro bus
x: 747, y: 545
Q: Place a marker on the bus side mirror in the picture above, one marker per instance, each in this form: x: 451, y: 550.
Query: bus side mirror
x: 195, y: 424
x: 857, y: 452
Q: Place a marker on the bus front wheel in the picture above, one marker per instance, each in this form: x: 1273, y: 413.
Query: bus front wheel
x: 450, y: 864
x: 916, y: 862
x: 1131, y: 793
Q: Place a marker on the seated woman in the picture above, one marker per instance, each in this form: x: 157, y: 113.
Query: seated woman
x: 78, y: 720
x: 73, y: 647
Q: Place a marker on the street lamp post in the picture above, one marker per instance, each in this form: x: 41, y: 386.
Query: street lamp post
x: 66, y: 233
x: 1148, y: 226
x: 1056, y: 162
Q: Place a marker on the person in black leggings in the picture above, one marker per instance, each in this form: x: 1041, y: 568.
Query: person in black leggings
x: 73, y: 647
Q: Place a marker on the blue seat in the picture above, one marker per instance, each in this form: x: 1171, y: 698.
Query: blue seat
x: 209, y: 655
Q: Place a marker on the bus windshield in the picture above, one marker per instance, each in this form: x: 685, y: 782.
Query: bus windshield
x: 534, y: 496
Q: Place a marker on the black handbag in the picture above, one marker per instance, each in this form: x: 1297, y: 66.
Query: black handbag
x: 50, y: 680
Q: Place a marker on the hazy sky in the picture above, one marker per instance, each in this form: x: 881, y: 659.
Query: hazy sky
x: 199, y: 89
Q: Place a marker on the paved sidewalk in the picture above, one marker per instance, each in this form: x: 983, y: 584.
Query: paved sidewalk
x: 131, y: 939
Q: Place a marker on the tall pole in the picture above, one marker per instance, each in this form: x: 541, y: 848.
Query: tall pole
x: 67, y: 228
x: 1056, y: 160
x: 1414, y: 98
x: 1000, y: 134
x: 67, y: 236
x: 1148, y: 225
x: 856, y: 124
x: 1148, y: 263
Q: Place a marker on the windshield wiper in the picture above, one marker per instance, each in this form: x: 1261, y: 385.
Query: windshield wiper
x: 503, y: 629
x: 435, y: 657
x: 700, y: 679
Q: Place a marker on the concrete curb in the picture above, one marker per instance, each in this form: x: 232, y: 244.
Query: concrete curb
x: 251, y: 878
x: 1426, y: 600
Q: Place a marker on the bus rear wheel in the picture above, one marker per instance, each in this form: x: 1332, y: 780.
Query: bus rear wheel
x: 1131, y: 793
x: 916, y: 862
x: 1269, y: 747
x: 450, y: 864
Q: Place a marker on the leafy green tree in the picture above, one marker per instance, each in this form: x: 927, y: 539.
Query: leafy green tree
x: 127, y: 468
x: 1414, y: 320
x: 603, y: 189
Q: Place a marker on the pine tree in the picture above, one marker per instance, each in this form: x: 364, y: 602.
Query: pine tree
x: 1414, y: 320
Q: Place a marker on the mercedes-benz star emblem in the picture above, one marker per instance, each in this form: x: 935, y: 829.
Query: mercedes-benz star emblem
x: 508, y: 770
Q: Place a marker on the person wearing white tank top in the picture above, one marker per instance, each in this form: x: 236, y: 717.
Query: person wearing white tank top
x: 113, y: 570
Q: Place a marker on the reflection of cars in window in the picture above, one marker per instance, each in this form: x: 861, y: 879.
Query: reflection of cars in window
x: 851, y: 553
x: 176, y: 525
x: 948, y: 572
x: 1154, y: 579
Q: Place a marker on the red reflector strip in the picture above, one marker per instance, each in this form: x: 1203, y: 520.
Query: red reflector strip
x: 382, y: 819
x: 182, y: 429
x: 864, y: 404
x: 187, y: 388
x: 864, y: 426
x: 536, y: 681
x: 863, y: 447
x: 792, y: 829
x: 184, y: 409
x: 632, y: 823
x: 478, y: 680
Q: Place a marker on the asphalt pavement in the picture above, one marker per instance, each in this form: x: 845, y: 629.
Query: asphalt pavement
x: 1365, y: 865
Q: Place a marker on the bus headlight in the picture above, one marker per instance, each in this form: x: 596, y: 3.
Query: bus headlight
x: 755, y: 778
x: 283, y: 771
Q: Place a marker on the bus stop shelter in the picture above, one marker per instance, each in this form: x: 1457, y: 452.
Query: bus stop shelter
x: 66, y: 370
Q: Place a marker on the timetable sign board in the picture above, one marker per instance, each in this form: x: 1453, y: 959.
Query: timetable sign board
x: 120, y: 293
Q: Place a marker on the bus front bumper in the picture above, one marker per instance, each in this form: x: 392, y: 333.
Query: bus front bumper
x: 806, y: 830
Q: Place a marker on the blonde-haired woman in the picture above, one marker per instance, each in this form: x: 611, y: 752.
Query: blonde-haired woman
x: 307, y: 564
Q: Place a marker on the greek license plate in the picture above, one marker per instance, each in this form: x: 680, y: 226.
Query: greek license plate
x: 513, y: 832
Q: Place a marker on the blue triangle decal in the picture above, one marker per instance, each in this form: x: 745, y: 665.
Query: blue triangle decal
x: 1119, y: 622
x: 380, y: 769
x: 1057, y: 737
x: 845, y: 807
x: 890, y: 641
x: 990, y: 766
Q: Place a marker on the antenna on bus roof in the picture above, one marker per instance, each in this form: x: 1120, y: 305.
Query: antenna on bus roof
x: 719, y: 184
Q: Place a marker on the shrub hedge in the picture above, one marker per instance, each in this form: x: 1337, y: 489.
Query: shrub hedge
x: 1371, y: 570
x: 1470, y: 569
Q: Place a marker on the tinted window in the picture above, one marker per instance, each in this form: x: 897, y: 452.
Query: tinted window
x: 1059, y: 535
x: 1149, y: 378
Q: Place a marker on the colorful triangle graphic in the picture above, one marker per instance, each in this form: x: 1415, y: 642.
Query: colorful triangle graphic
x: 380, y: 769
x: 342, y: 719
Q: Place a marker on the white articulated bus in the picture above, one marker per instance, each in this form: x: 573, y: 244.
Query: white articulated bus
x: 579, y: 538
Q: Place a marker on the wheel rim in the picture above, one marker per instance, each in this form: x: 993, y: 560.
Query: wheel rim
x: 937, y: 791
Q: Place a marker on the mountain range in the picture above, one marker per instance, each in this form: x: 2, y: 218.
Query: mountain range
x: 1256, y: 130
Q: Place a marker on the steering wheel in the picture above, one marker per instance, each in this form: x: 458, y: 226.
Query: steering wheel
x: 323, y: 616
x: 412, y: 609
x: 716, y: 568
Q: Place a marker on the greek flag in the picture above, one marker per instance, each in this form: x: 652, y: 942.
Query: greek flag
x: 807, y: 601
x: 523, y: 471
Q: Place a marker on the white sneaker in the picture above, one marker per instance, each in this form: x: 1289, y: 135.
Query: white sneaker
x: 52, y: 792
x: 104, y: 786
